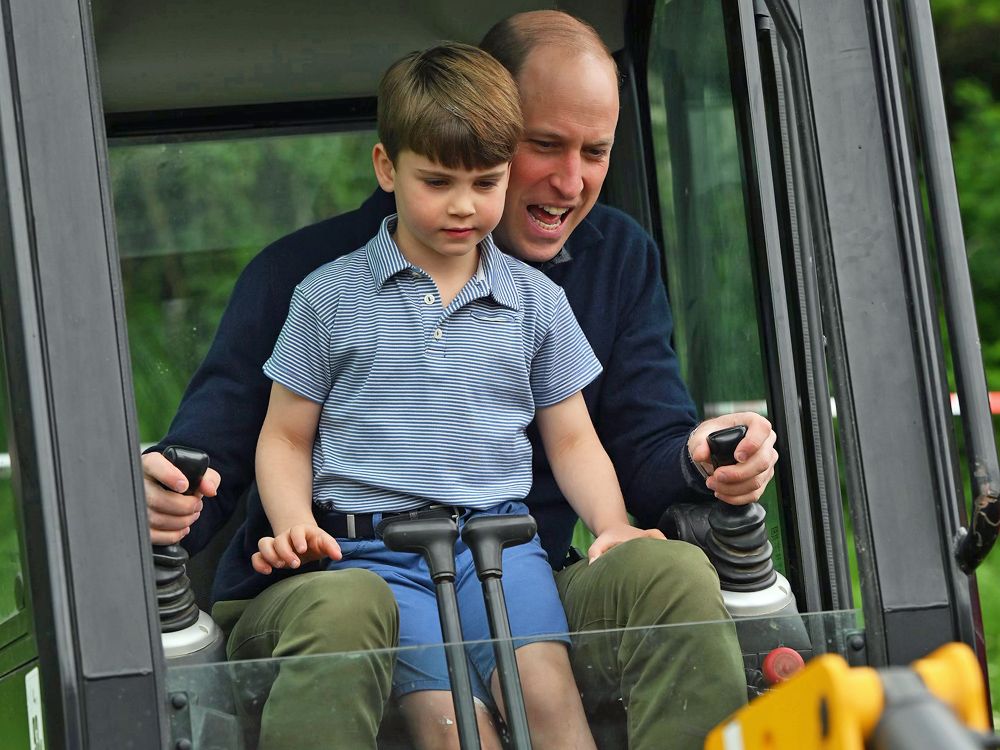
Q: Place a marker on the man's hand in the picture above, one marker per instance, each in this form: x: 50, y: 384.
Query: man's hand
x: 171, y: 512
x: 618, y: 534
x: 745, y: 481
x: 300, y: 544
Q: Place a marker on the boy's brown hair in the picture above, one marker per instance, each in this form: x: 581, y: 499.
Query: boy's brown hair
x: 453, y: 104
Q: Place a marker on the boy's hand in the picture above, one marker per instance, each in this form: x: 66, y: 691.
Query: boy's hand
x: 615, y: 535
x: 171, y: 513
x: 301, y: 543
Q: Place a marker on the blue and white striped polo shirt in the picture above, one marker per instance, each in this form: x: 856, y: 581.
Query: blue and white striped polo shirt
x: 422, y: 404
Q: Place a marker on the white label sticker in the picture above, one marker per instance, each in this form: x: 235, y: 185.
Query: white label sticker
x: 33, y: 696
x: 732, y: 736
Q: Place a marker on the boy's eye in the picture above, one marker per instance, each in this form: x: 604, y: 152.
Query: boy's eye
x: 433, y: 182
x: 487, y: 184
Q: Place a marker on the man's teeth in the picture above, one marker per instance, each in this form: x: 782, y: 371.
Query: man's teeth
x: 538, y: 212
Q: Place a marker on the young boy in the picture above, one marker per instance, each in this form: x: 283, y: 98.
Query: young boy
x: 404, y: 379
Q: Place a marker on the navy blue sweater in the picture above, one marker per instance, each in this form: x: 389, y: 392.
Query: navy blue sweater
x: 639, y: 404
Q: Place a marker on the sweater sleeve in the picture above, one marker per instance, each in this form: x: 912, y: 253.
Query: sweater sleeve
x: 645, y: 413
x: 224, y: 405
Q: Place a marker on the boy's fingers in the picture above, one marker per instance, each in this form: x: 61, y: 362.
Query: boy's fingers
x: 259, y: 564
x: 321, y: 544
x: 598, y: 548
x: 298, y: 537
x: 265, y: 548
x: 283, y: 551
x: 330, y: 547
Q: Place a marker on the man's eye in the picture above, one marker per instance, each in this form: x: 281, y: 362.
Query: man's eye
x: 598, y: 153
x: 544, y: 145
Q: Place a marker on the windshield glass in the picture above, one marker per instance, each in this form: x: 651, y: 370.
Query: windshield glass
x: 231, y: 705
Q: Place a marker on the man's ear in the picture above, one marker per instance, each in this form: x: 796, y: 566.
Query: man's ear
x: 385, y: 172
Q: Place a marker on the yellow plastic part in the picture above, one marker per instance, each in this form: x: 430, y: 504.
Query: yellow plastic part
x: 826, y: 705
x: 953, y: 675
x: 831, y: 706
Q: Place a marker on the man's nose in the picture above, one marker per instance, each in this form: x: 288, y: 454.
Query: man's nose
x: 568, y: 176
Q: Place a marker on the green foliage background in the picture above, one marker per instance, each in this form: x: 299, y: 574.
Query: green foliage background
x: 967, y: 33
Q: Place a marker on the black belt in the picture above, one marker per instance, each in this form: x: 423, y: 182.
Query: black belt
x: 360, y: 525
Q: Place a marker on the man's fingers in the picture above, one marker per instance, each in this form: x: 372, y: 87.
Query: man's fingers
x: 758, y: 463
x: 745, y: 492
x: 169, y: 522
x: 210, y: 483
x: 759, y: 433
x: 700, y: 452
x: 164, y: 538
x: 158, y: 469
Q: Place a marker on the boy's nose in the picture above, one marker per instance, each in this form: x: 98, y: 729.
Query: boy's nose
x: 461, y: 205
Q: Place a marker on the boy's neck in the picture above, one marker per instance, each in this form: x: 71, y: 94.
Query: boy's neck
x: 449, y: 273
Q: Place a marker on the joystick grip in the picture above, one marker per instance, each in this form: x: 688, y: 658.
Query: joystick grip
x: 722, y: 445
x: 174, y: 598
x: 193, y: 464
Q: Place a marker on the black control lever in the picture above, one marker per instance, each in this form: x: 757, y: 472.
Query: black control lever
x: 722, y: 445
x: 434, y: 538
x: 174, y: 597
x: 738, y: 541
x: 486, y: 537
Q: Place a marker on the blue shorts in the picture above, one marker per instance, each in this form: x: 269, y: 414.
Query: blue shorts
x: 533, y: 606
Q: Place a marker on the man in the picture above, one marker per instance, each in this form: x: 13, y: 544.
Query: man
x: 675, y: 683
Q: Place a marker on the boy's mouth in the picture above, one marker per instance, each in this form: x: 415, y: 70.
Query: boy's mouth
x: 547, y: 217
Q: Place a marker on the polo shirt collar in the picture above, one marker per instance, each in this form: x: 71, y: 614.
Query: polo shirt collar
x: 385, y: 261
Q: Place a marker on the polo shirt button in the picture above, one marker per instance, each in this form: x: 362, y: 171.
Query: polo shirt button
x: 429, y: 299
x: 438, y: 333
x: 415, y: 274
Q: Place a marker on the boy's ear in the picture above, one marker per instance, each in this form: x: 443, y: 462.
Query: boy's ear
x: 385, y: 172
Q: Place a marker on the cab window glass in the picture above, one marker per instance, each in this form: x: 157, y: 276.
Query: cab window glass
x: 11, y: 569
x: 704, y: 219
x: 191, y: 214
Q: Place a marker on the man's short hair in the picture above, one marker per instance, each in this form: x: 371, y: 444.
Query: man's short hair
x: 511, y: 40
x: 453, y: 104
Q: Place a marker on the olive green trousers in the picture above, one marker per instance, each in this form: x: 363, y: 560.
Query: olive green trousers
x: 656, y: 657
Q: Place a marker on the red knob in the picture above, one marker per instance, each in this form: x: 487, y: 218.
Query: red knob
x: 780, y: 664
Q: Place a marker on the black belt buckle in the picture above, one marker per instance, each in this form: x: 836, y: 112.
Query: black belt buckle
x: 431, y: 511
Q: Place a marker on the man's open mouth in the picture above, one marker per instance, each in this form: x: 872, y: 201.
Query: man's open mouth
x: 549, y: 218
